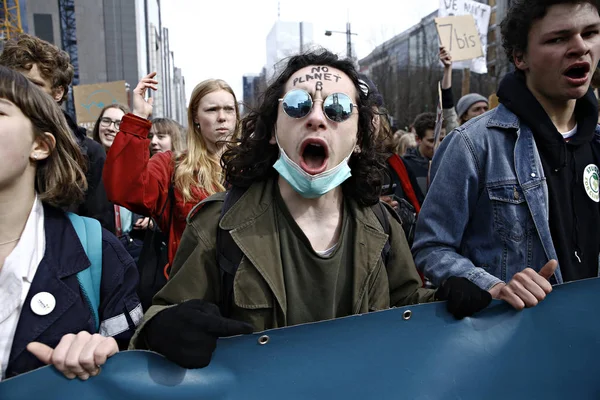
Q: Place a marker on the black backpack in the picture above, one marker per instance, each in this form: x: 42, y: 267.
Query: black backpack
x: 229, y: 255
x: 154, y: 257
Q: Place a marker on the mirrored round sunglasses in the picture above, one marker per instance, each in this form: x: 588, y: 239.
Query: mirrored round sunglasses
x: 337, y: 107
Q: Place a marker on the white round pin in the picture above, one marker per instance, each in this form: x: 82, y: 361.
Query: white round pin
x: 590, y: 182
x: 43, y: 303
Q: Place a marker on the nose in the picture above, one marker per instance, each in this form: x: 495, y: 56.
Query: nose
x: 222, y: 115
x: 154, y: 139
x: 579, y: 47
x: 316, y: 119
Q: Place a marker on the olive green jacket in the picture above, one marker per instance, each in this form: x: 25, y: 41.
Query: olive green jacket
x: 259, y: 289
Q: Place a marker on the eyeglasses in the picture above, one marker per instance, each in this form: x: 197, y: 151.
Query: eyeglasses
x: 298, y: 103
x: 105, y: 122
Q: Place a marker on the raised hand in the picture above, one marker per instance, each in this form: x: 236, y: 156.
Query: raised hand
x: 142, y: 107
x: 445, y: 57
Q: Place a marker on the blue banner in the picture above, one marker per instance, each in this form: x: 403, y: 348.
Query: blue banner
x: 551, y: 351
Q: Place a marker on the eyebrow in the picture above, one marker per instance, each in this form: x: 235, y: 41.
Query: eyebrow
x: 569, y: 31
x: 6, y: 103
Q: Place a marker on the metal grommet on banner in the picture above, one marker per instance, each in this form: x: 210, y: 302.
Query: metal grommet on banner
x: 264, y: 339
x: 406, y: 315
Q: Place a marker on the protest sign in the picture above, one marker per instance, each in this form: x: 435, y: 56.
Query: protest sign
x: 412, y: 352
x: 458, y: 34
x: 482, y: 13
x: 91, y: 99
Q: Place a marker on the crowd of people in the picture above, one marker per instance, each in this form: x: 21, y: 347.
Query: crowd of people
x: 151, y: 236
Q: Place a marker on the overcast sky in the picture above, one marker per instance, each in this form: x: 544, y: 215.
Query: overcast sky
x: 227, y: 38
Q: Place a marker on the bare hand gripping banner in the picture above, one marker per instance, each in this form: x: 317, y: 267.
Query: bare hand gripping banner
x: 551, y: 351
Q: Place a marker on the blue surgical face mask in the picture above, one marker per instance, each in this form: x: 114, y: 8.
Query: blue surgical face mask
x: 307, y: 185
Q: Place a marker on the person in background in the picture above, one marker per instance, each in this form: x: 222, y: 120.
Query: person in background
x: 49, y: 68
x: 128, y: 227
x: 403, y: 141
x: 166, y: 135
x: 417, y: 160
x: 468, y: 106
x: 167, y: 186
x: 45, y: 317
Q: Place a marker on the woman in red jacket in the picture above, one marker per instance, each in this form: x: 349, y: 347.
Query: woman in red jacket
x: 168, y: 185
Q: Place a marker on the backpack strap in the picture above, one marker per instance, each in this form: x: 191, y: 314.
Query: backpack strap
x: 229, y: 255
x: 89, y: 232
x: 383, y: 216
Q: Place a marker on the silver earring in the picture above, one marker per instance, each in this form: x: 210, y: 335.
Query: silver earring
x: 35, y: 156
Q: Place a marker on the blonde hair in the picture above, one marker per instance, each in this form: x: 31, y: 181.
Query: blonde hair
x: 197, y: 167
x: 174, y: 130
x: 404, y: 141
x: 60, y: 179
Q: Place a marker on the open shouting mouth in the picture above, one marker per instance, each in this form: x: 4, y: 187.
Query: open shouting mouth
x: 314, y: 155
x: 577, y: 74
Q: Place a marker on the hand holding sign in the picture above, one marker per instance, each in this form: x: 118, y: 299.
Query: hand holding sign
x: 526, y: 288
x: 459, y: 36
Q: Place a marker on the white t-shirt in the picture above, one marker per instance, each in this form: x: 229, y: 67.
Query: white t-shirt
x: 568, y: 135
x: 16, y: 276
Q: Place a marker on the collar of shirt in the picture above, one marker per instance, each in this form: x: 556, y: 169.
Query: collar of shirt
x: 16, y: 276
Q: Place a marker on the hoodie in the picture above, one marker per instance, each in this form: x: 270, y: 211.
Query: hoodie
x: 418, y: 165
x: 95, y: 204
x: 574, y: 217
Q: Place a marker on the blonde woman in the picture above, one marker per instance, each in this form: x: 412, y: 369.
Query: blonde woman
x: 166, y: 135
x: 405, y: 141
x: 45, y: 317
x: 167, y: 186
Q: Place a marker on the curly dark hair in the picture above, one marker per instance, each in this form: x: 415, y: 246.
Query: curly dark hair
x: 251, y: 158
x: 423, y: 123
x: 520, y: 17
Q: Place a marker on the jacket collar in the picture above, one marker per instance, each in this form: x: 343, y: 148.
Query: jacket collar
x: 501, y: 117
x: 64, y: 256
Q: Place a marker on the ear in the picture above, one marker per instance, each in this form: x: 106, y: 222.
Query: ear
x: 41, y: 149
x: 58, y: 93
x: 520, y: 60
x: 273, y: 140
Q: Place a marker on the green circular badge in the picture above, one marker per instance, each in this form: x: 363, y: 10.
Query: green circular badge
x: 590, y: 182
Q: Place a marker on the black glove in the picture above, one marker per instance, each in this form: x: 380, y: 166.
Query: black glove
x: 187, y: 333
x: 464, y: 297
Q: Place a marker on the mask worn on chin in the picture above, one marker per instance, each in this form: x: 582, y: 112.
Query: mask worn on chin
x: 307, y: 185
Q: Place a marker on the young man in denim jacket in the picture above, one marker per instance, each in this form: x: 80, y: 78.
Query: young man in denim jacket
x: 513, y: 204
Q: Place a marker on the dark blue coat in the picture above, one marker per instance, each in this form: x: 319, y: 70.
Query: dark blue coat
x: 57, y: 274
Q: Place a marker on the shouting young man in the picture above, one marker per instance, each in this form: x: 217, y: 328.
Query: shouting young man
x: 513, y: 204
x: 307, y: 224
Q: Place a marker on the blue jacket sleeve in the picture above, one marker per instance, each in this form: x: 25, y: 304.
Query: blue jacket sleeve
x: 445, y: 216
x: 120, y: 308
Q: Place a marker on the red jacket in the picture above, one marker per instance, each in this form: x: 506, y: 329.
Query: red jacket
x: 141, y: 184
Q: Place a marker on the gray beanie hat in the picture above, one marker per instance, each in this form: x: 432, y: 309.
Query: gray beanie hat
x: 467, y: 101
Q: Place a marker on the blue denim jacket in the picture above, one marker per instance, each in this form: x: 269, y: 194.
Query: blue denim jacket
x: 485, y: 216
